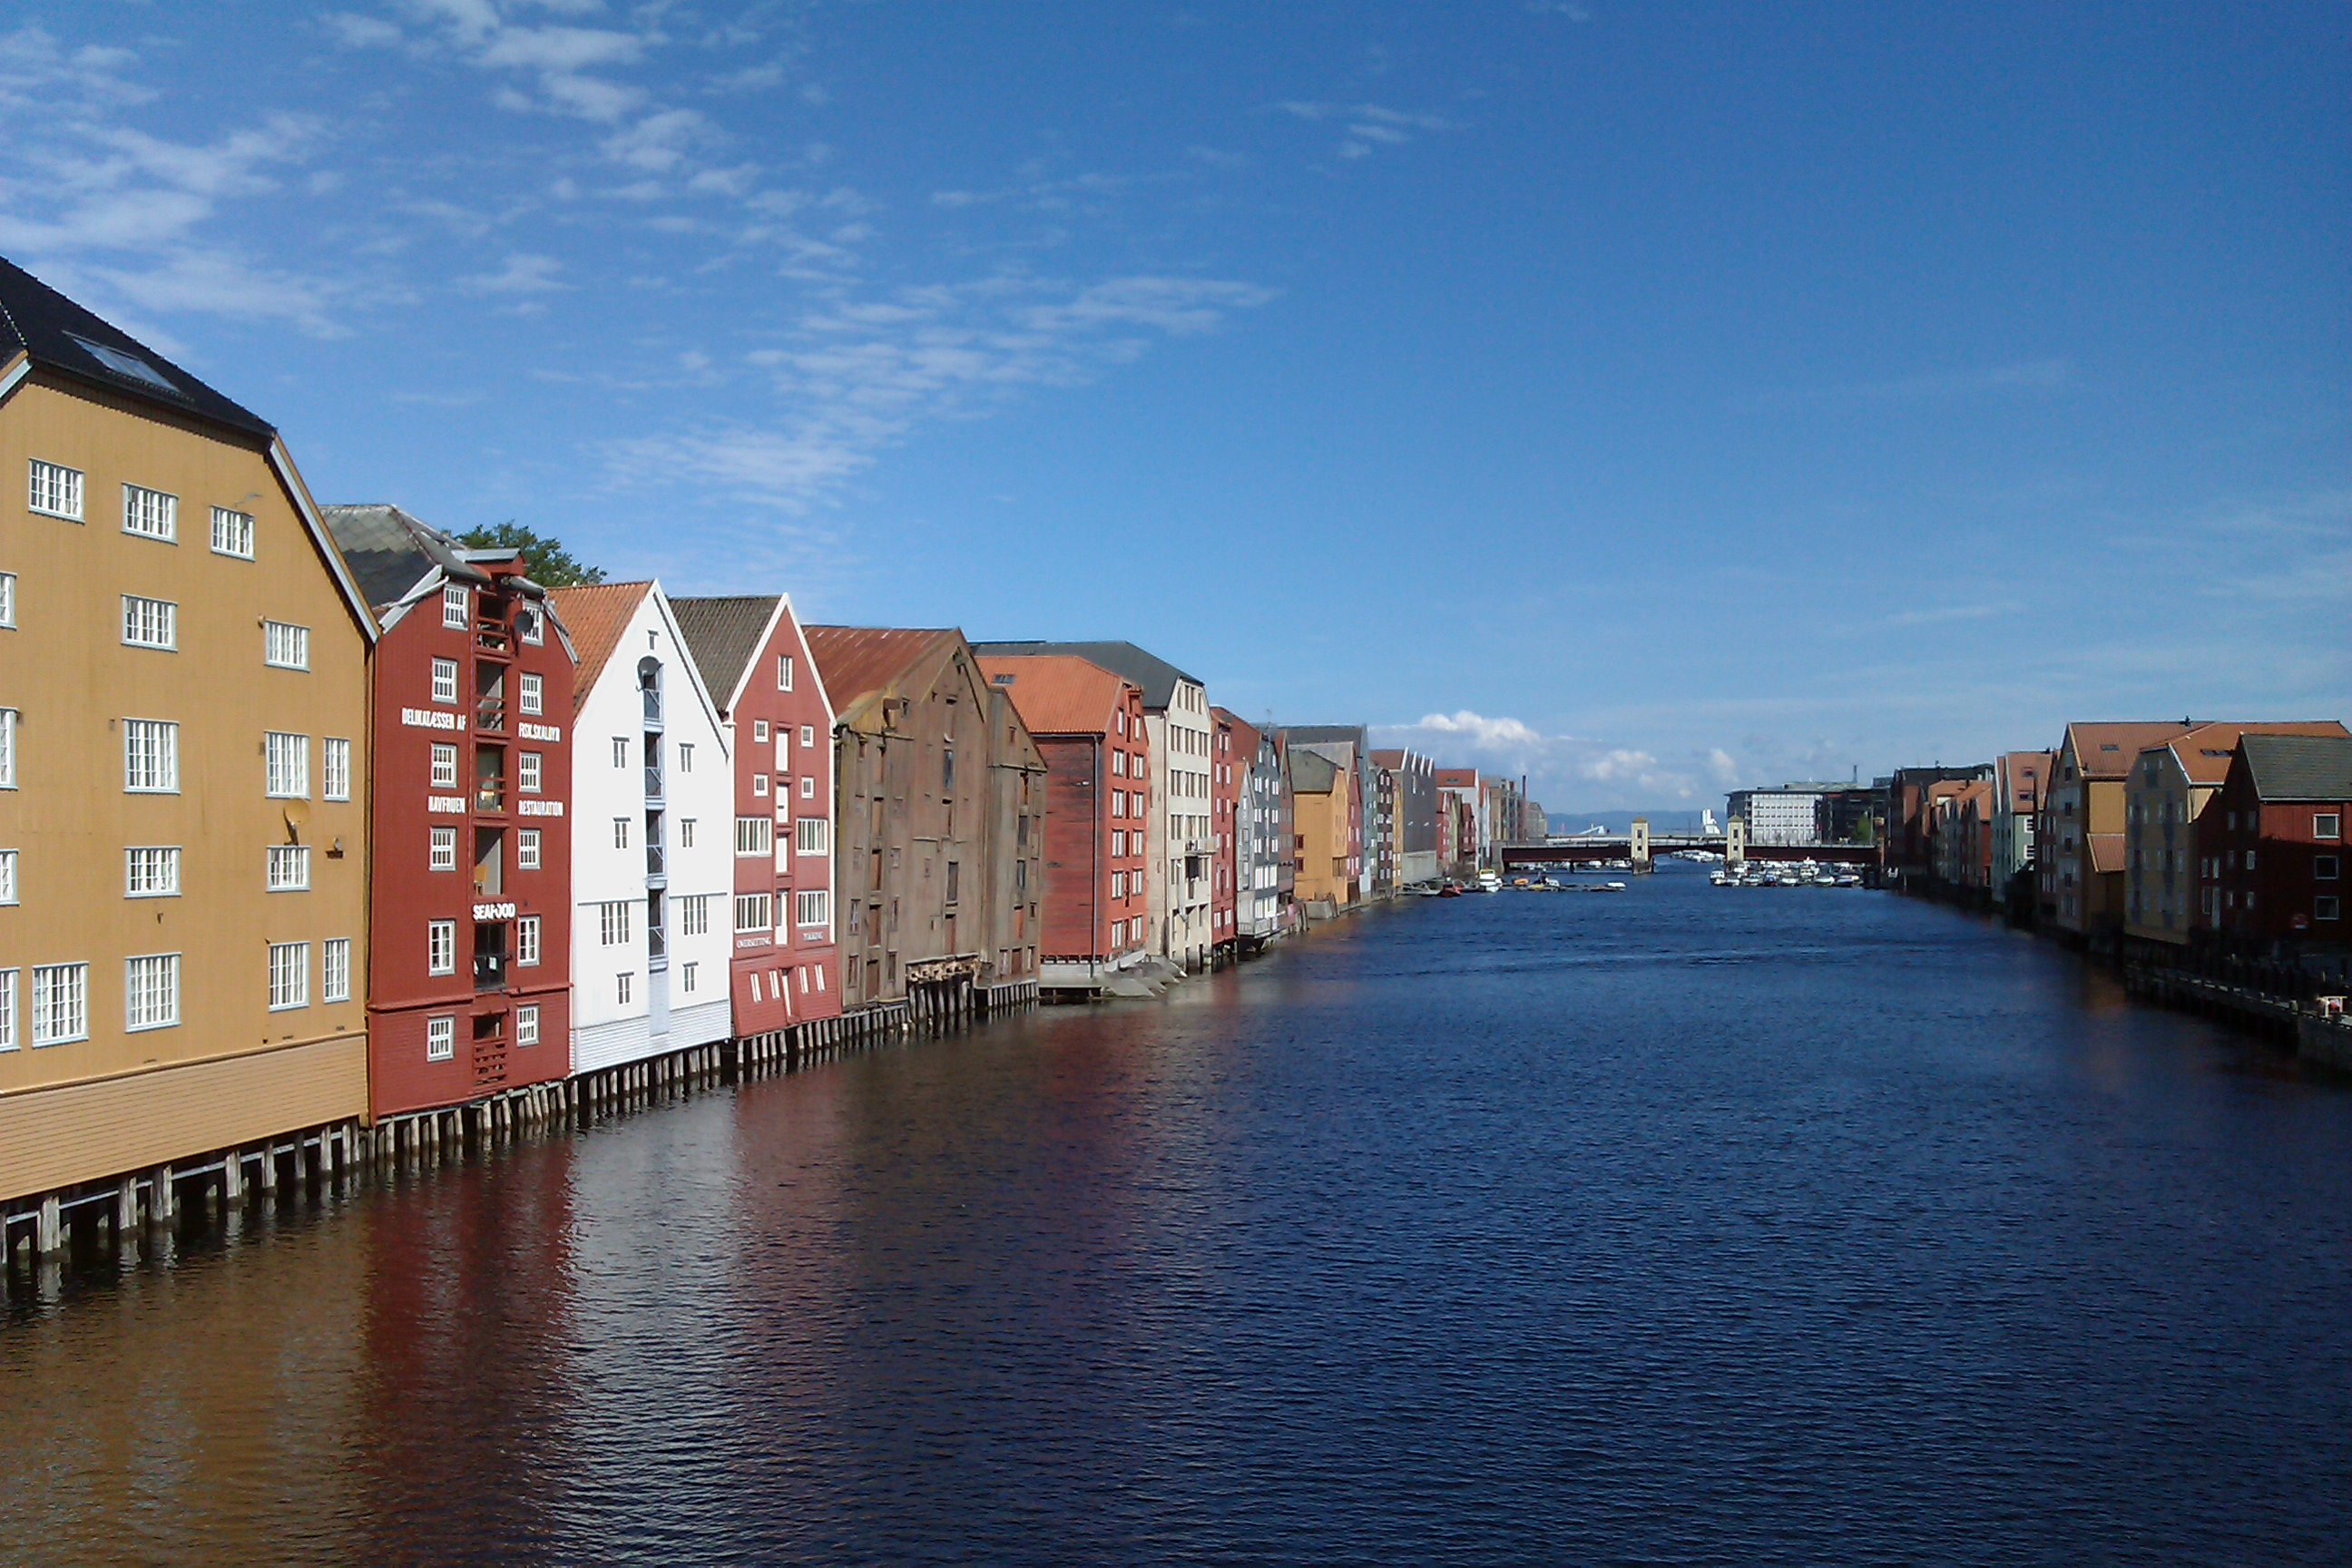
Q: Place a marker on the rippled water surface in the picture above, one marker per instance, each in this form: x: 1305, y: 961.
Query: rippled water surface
x: 1685, y: 1226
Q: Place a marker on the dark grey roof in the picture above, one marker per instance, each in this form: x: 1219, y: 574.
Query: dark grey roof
x: 391, y: 552
x: 2300, y: 767
x: 1312, y: 772
x: 723, y: 634
x: 1322, y: 734
x: 1156, y: 676
x: 62, y: 337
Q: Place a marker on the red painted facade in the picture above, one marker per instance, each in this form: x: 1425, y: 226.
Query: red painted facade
x: 1088, y: 724
x: 2271, y: 872
x: 474, y: 930
x: 783, y: 770
x: 1227, y: 768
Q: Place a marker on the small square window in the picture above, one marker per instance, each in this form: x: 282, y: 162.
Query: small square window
x: 151, y: 514
x: 55, y: 491
x: 534, y: 694
x: 445, y: 767
x: 526, y: 1028
x: 2327, y: 825
x: 441, y: 947
x: 527, y: 766
x: 527, y: 850
x: 232, y: 534
x: 440, y: 1039
x: 445, y: 681
x: 444, y: 850
x: 760, y: 730
x: 457, y: 607
x: 533, y: 625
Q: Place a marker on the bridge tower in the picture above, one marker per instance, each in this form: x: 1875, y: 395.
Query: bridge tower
x: 1735, y: 844
x: 1640, y: 846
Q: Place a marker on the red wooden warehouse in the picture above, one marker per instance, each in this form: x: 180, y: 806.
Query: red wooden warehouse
x: 470, y: 957
x: 786, y: 971
x: 1088, y: 724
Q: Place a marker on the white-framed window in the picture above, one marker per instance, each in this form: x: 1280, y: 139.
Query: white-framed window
x: 151, y: 514
x: 527, y: 850
x: 755, y: 987
x: 444, y: 766
x: 620, y: 833
x: 813, y: 907
x: 289, y: 868
x: 689, y: 972
x: 754, y: 913
x: 7, y: 601
x: 232, y: 534
x: 612, y: 924
x: 685, y: 832
x: 444, y: 853
x: 151, y: 992
x: 531, y: 624
x: 620, y: 751
x: 335, y: 969
x: 285, y: 645
x: 290, y: 975
x: 441, y: 947
x: 55, y: 490
x: 60, y: 1003
x: 808, y: 735
x: 440, y: 1039
x: 760, y: 730
x: 151, y: 756
x: 457, y: 606
x: 2327, y: 906
x: 755, y: 836
x: 760, y: 786
x: 7, y: 876
x: 2327, y: 825
x: 7, y: 1009
x: 526, y: 772
x: 527, y: 942
x: 289, y: 759
x: 445, y: 682
x: 783, y: 672
x: 685, y: 757
x: 534, y: 694
x: 783, y: 750
x: 152, y: 872
x: 813, y: 835
x: 694, y: 915
x: 335, y: 769
x: 7, y: 748
x: 150, y: 623
x: 526, y: 1028
x: 625, y: 985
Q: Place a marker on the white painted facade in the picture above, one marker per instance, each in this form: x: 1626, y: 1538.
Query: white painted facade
x: 652, y: 934
x: 1787, y: 816
x: 1182, y: 827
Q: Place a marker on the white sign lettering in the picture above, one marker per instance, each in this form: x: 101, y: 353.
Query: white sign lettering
x: 539, y: 807
x: 431, y: 718
x: 553, y: 732
x: 454, y: 803
x: 494, y: 912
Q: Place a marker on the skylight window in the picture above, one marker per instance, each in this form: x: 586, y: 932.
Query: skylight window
x: 125, y: 363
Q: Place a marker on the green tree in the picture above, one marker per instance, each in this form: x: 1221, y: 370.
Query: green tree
x: 552, y: 565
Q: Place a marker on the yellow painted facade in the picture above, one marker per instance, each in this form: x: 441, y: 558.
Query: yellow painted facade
x: 1321, y: 820
x: 230, y: 1070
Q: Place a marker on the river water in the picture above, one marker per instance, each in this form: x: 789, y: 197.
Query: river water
x: 1688, y: 1226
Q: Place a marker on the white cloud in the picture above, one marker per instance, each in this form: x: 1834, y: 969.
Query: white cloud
x: 523, y: 274
x: 1367, y: 127
x: 657, y: 143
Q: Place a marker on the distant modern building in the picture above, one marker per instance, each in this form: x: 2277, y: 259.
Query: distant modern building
x: 1784, y: 814
x: 1180, y: 834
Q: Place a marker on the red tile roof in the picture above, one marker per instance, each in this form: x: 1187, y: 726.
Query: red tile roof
x: 2106, y: 851
x: 595, y: 615
x: 1058, y: 694
x: 1457, y: 778
x: 2105, y: 751
x: 2027, y: 793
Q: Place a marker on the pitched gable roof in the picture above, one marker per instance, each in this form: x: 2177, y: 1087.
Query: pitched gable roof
x: 1156, y: 676
x: 723, y: 635
x: 1312, y: 772
x: 2107, y: 750
x: 598, y: 614
x: 1248, y: 739
x: 2203, y: 753
x: 1457, y: 778
x: 1057, y: 694
x: 391, y: 552
x: 60, y: 336
x: 2299, y: 767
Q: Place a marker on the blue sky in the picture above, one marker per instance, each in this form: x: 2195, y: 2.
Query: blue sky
x: 1652, y: 398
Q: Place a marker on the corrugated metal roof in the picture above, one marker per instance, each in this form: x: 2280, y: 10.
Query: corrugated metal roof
x: 2300, y: 767
x: 59, y: 335
x: 861, y: 665
x: 1155, y: 676
x: 1057, y: 694
x: 596, y: 615
x: 390, y: 550
x: 723, y: 634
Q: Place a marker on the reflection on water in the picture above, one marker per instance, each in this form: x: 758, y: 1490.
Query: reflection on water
x: 1685, y: 1225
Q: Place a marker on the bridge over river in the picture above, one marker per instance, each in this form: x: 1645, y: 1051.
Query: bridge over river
x: 1640, y: 846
